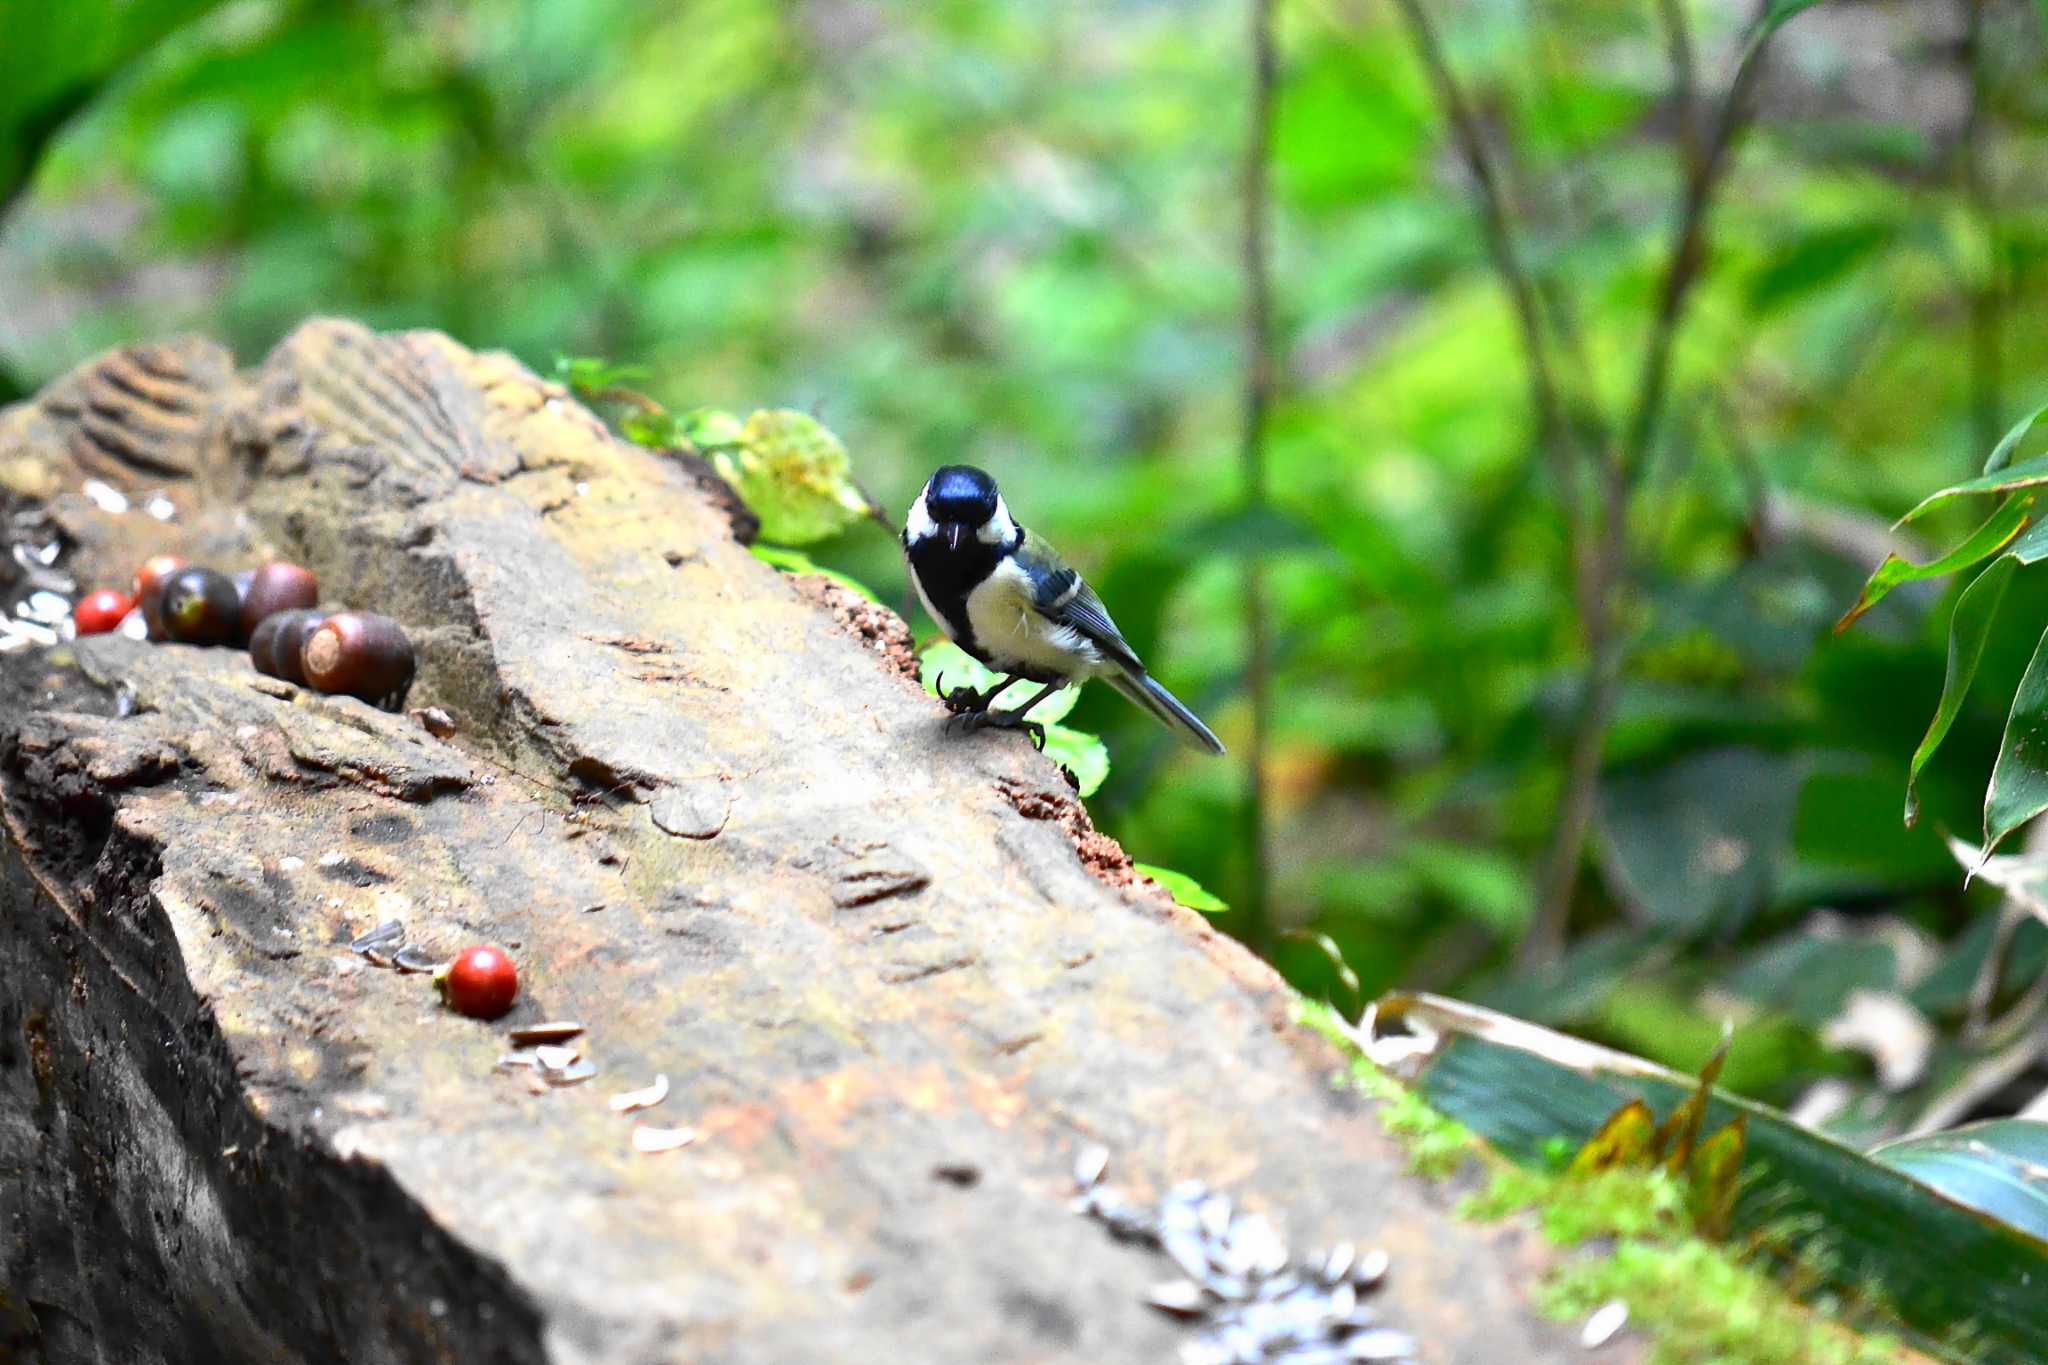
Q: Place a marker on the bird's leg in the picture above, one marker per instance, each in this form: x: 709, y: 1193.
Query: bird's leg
x: 1014, y: 720
x: 967, y: 701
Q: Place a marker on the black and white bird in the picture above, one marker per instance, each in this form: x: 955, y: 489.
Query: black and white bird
x: 1006, y: 597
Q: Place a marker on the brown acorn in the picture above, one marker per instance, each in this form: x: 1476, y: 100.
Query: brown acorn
x: 277, y: 586
x: 359, y: 654
x: 149, y: 581
x: 274, y: 646
x: 198, y: 607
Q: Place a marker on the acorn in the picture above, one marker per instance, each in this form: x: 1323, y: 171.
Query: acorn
x: 198, y: 607
x: 275, y: 587
x: 149, y: 581
x: 275, y: 645
x: 359, y: 654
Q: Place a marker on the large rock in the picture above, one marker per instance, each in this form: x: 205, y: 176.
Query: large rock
x: 894, y: 979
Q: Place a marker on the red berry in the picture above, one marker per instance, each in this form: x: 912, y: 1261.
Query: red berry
x: 481, y: 982
x: 99, y: 612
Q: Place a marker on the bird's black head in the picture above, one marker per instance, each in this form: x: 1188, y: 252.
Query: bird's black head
x: 962, y: 495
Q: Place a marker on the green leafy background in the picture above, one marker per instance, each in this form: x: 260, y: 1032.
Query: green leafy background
x: 1007, y: 235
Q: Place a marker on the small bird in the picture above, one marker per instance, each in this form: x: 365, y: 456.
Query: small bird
x: 1006, y: 597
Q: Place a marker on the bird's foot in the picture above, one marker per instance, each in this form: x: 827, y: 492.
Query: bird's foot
x: 971, y: 721
x: 962, y: 701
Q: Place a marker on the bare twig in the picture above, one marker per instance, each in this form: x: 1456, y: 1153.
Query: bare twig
x: 1546, y: 397
x: 1685, y: 81
x: 1258, y: 396
x: 1558, y: 878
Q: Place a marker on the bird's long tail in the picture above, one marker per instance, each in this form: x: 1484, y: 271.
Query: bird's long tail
x: 1138, y: 685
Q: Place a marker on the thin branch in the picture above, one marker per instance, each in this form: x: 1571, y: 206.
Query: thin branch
x: 1557, y: 881
x: 1258, y: 397
x: 1546, y: 397
x: 1689, y: 251
x: 1986, y: 300
x: 1685, y: 80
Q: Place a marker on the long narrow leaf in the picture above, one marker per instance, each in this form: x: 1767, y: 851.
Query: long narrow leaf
x: 2019, y: 780
x: 1938, y: 1258
x: 1779, y: 12
x: 1968, y: 629
x: 2029, y: 473
x: 1987, y: 540
x: 2002, y: 453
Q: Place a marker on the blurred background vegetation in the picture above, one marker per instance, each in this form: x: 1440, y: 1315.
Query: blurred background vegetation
x: 1594, y: 393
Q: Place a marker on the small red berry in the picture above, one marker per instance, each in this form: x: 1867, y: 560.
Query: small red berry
x: 480, y: 982
x: 102, y: 611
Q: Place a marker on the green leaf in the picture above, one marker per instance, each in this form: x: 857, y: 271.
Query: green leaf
x: 796, y: 561
x: 2001, y: 454
x: 55, y: 57
x: 1999, y: 1166
x: 655, y: 430
x: 1183, y: 888
x: 794, y: 474
x: 710, y: 428
x: 2026, y: 474
x: 1994, y: 535
x: 590, y: 375
x: 2019, y: 779
x: 1779, y: 12
x: 1937, y: 1258
x: 1968, y: 629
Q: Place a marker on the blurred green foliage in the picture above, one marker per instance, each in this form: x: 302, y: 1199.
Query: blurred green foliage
x: 1006, y: 235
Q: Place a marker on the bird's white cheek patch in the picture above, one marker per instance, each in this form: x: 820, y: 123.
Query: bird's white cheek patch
x: 998, y: 529
x: 918, y: 524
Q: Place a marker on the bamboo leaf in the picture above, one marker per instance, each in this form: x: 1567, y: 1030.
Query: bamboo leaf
x: 2019, y: 780
x: 1968, y: 629
x: 1999, y: 1166
x: 2001, y: 454
x: 2026, y: 474
x: 1994, y: 535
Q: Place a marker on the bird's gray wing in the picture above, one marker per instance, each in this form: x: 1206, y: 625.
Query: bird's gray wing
x: 1063, y: 597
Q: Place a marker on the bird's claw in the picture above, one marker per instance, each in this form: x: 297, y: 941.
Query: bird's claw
x: 971, y: 721
x: 961, y: 701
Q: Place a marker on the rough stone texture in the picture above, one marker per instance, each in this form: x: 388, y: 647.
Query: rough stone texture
x: 715, y: 821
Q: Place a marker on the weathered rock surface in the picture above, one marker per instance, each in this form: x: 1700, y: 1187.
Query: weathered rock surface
x: 894, y: 979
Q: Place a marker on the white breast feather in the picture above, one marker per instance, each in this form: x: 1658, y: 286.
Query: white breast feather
x: 1010, y: 632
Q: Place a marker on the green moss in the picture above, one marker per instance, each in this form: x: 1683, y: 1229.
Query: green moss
x: 1436, y: 1145
x: 1572, y: 1210
x: 1699, y: 1304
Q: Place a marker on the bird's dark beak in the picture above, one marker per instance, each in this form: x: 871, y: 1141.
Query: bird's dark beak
x: 954, y: 531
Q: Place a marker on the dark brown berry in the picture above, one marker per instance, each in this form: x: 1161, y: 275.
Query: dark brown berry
x: 360, y: 654
x: 149, y: 582
x: 278, y: 641
x: 277, y: 586
x: 198, y: 607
